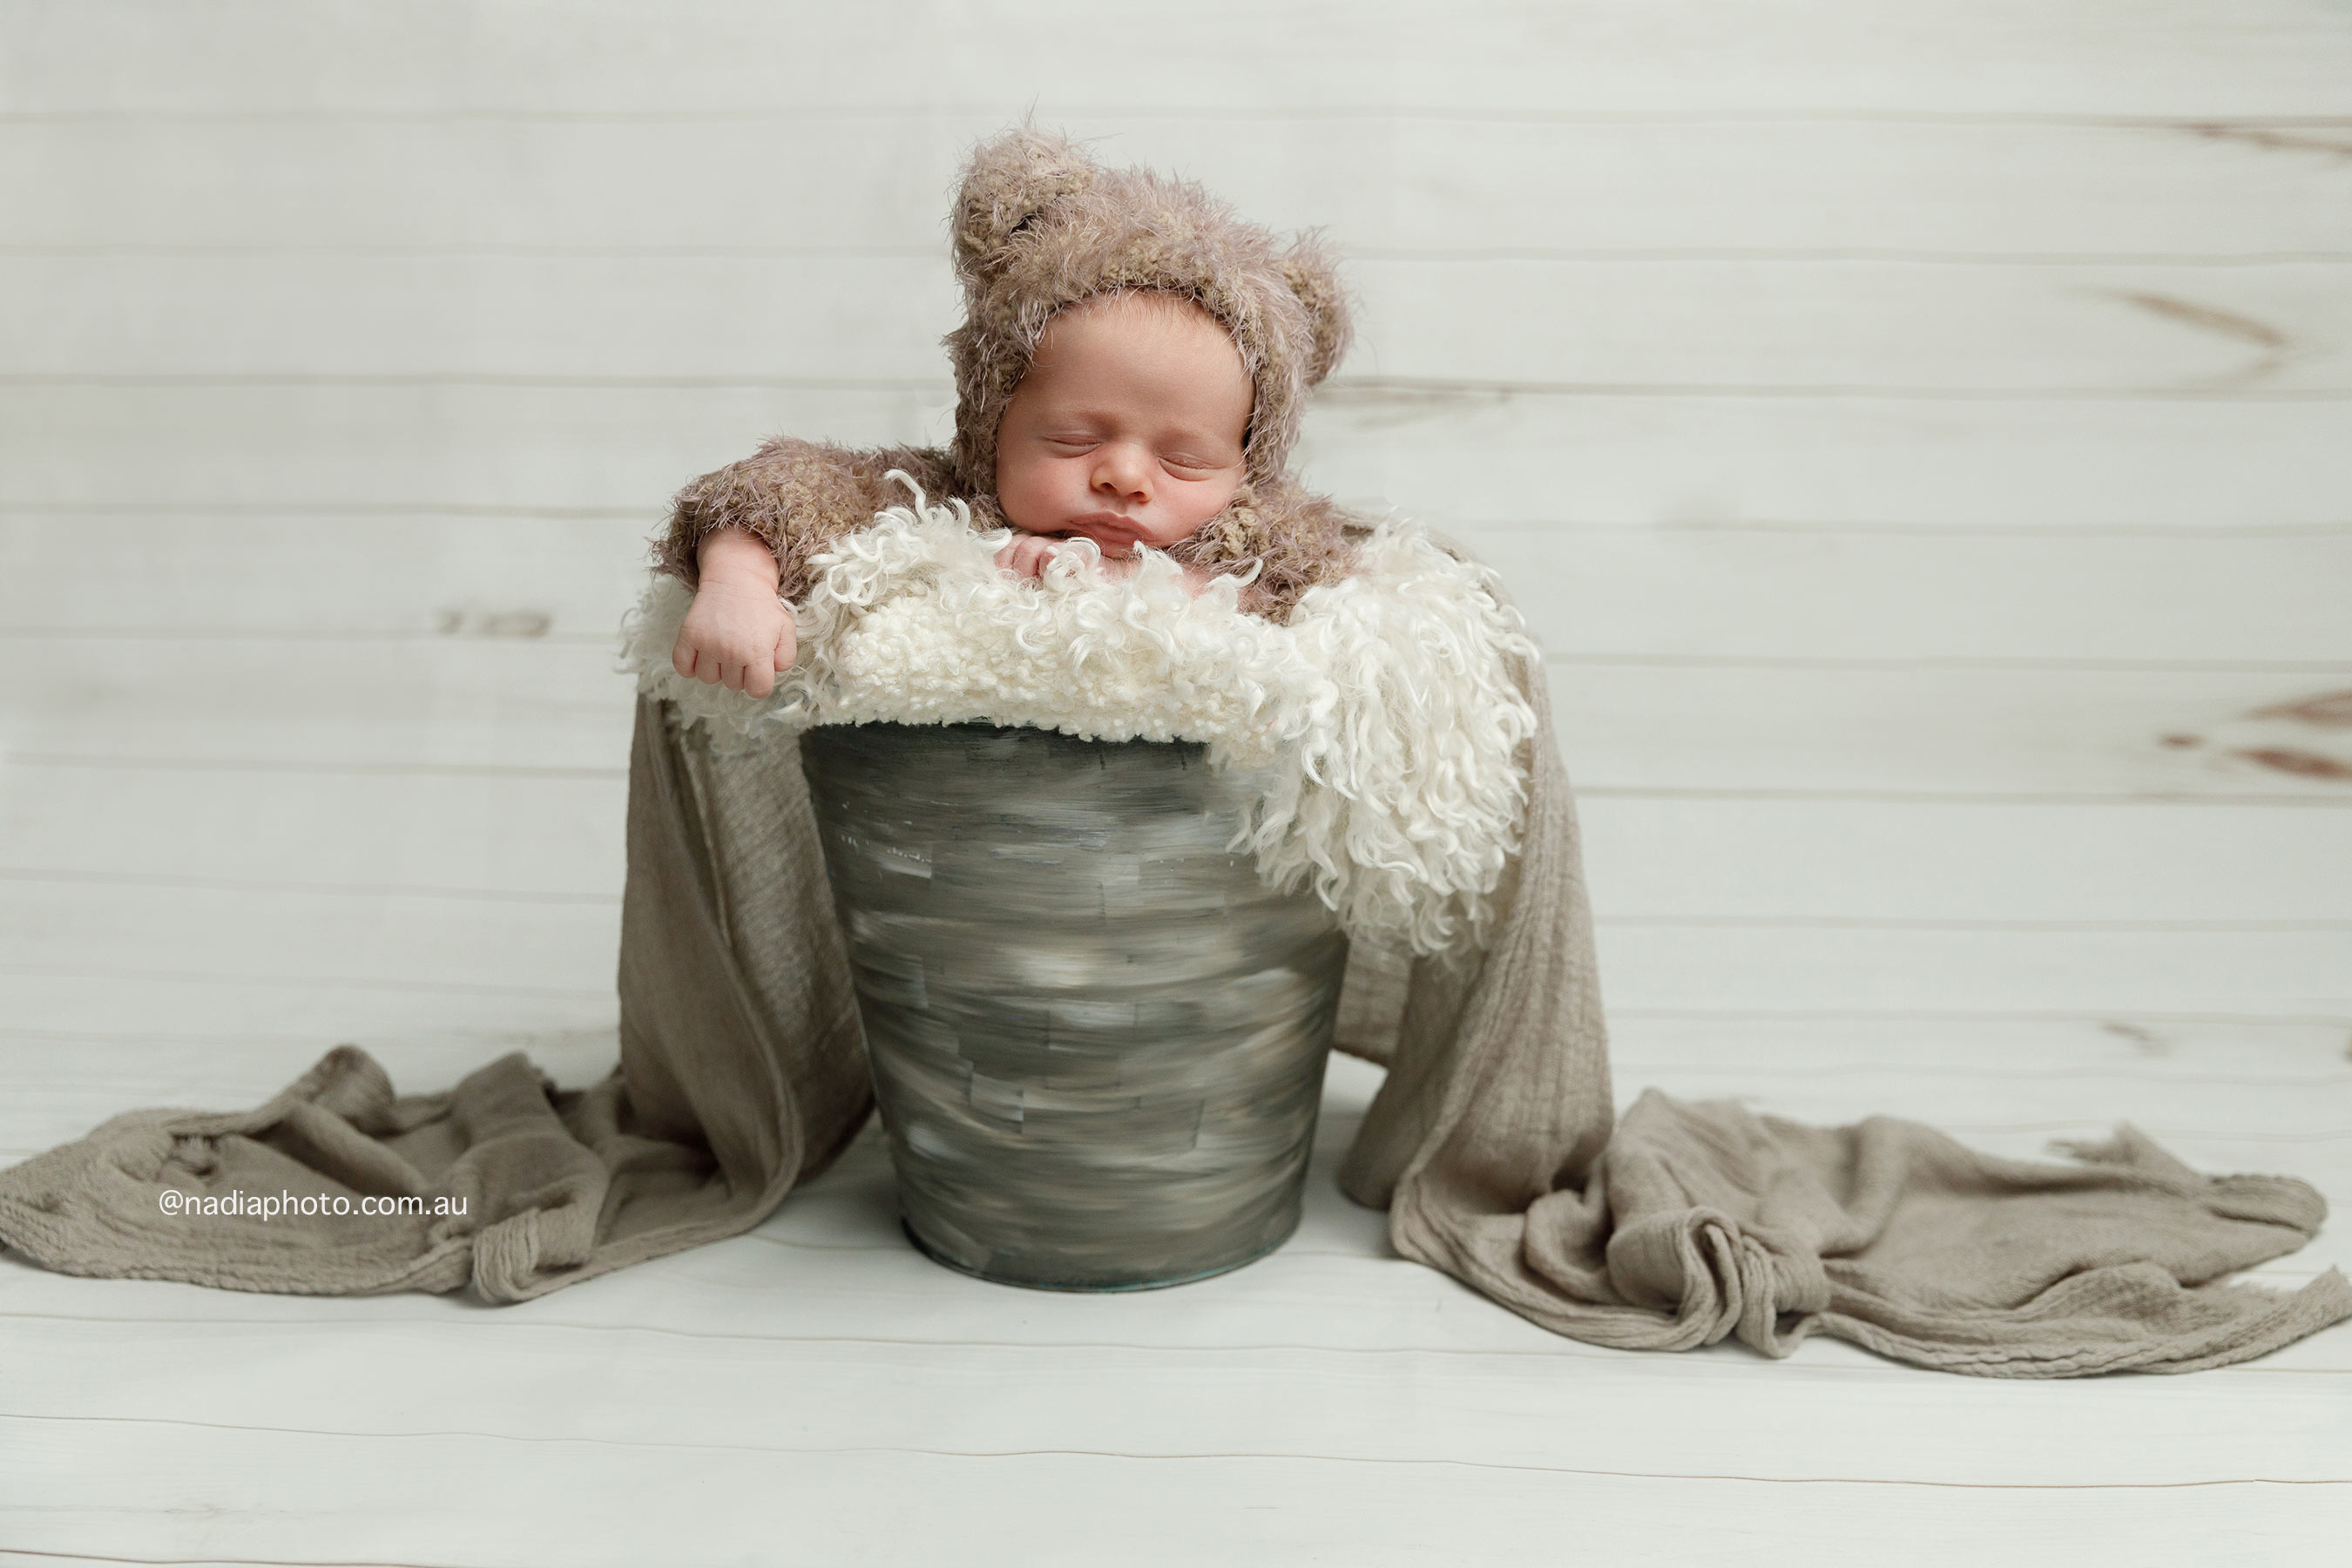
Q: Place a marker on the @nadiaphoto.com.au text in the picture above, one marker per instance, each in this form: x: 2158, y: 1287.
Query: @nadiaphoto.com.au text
x: 236, y: 1202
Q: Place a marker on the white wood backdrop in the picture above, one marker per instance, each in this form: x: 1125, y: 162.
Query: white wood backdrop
x: 1922, y: 436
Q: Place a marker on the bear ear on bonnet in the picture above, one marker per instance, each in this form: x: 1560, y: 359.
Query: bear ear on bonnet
x: 1011, y: 179
x: 1313, y: 273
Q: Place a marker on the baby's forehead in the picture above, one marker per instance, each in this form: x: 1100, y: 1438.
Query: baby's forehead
x: 1155, y: 350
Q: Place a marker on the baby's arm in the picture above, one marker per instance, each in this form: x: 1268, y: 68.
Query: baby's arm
x: 743, y: 537
x: 737, y: 633
x: 796, y: 497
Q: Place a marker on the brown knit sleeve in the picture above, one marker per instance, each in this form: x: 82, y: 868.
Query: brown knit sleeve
x: 797, y: 497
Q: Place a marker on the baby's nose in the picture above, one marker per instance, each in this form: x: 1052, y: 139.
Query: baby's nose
x: 1124, y: 470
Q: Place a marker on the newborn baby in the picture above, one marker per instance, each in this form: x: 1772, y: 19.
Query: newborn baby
x: 1127, y: 430
x: 1131, y: 371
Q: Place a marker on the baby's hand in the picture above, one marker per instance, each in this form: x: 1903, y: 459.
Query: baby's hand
x: 737, y: 634
x: 1026, y: 554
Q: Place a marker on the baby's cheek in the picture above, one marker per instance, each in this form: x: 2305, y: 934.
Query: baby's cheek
x: 1025, y: 492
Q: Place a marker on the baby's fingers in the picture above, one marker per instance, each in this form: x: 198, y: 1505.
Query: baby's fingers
x: 759, y: 677
x: 1029, y: 554
x: 696, y: 660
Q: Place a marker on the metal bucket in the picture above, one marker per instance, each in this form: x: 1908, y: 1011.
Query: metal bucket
x: 1096, y: 1038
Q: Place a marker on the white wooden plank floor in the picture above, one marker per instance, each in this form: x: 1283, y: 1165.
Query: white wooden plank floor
x: 1921, y: 436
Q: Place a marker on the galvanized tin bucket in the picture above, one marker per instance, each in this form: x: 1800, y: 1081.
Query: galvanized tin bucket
x: 1096, y: 1038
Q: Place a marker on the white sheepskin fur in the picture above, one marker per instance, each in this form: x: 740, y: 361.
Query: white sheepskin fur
x: 1385, y: 713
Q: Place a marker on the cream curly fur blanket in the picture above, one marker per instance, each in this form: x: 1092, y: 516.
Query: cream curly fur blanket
x: 1383, y: 715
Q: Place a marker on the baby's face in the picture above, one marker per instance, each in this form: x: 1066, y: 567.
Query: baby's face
x: 1127, y: 428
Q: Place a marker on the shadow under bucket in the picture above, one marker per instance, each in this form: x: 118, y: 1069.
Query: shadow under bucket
x: 1098, y: 1038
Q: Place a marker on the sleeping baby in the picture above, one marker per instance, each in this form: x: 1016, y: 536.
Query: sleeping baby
x: 1130, y: 374
x: 1127, y: 430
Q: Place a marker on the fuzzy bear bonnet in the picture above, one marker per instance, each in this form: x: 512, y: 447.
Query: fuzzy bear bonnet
x: 1039, y: 225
